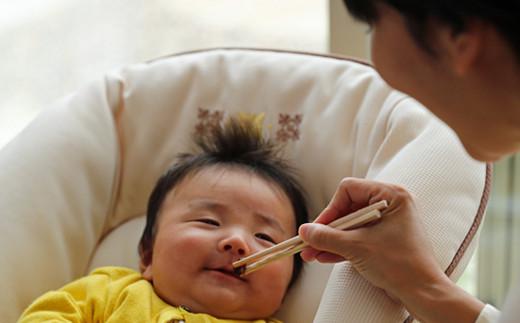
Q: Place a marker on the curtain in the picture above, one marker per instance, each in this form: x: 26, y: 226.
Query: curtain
x: 499, y: 250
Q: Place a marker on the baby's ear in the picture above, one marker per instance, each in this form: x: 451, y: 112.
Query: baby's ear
x: 146, y: 271
x: 145, y: 262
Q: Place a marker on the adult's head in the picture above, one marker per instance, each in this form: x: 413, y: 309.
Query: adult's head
x: 461, y: 59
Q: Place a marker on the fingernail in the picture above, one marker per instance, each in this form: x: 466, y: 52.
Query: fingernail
x: 308, y: 256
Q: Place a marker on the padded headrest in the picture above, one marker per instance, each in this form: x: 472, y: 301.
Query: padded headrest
x: 88, y: 163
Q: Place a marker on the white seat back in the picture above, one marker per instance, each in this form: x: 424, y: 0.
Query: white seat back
x: 86, y: 166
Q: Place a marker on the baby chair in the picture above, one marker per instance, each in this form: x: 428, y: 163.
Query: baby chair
x: 76, y: 180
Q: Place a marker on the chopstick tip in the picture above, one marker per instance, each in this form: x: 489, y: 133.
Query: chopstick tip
x: 239, y: 271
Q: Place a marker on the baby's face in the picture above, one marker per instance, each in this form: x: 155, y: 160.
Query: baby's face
x: 207, y: 222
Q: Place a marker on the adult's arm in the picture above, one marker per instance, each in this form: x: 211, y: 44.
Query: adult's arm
x: 392, y: 254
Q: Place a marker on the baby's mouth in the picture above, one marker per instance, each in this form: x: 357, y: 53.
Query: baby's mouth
x: 228, y: 270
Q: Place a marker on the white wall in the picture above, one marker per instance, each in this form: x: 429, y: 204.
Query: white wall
x: 347, y: 36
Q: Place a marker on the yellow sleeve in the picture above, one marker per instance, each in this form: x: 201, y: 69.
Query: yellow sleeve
x: 83, y: 300
x: 55, y: 306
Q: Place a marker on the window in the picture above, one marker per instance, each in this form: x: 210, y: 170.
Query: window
x: 49, y: 48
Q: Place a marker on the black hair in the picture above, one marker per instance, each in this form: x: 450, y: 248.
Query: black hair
x: 502, y: 14
x: 240, y: 145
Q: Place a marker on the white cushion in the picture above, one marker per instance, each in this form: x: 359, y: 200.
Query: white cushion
x: 87, y: 165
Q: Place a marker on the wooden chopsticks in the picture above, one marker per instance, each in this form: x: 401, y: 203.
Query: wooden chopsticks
x: 294, y: 245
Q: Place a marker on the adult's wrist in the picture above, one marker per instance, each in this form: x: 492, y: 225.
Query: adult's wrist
x: 440, y: 300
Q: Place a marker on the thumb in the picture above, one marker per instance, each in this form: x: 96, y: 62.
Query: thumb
x: 324, y: 238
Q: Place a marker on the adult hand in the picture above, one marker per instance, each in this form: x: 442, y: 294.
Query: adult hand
x: 393, y: 254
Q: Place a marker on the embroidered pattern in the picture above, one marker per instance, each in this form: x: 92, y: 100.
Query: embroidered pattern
x: 289, y: 127
x: 208, y: 121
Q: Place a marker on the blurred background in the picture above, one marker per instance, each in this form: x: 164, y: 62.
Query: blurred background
x: 49, y: 48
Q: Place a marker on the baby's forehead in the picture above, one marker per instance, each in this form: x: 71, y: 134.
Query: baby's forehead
x: 221, y: 189
x: 212, y: 175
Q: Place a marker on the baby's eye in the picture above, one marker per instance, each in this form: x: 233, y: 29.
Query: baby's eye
x: 209, y: 221
x: 265, y: 237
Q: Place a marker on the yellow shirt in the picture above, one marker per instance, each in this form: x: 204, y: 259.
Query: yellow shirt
x: 112, y: 295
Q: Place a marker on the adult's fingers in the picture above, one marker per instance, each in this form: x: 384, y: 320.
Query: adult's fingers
x: 328, y: 243
x: 353, y: 194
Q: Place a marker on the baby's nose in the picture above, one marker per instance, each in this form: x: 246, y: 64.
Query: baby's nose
x: 235, y: 244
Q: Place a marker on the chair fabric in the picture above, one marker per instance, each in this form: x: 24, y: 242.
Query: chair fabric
x: 77, y: 179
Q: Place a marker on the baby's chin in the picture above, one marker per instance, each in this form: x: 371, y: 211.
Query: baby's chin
x: 231, y: 310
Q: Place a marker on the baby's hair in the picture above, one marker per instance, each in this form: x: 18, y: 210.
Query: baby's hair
x: 239, y: 144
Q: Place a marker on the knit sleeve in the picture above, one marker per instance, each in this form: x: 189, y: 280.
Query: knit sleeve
x: 489, y: 314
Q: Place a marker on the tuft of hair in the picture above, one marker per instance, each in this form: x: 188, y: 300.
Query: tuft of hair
x: 239, y: 143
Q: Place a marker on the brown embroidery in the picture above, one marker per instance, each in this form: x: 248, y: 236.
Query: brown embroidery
x: 289, y: 127
x: 208, y: 121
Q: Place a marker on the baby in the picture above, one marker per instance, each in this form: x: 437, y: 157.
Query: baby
x: 234, y: 197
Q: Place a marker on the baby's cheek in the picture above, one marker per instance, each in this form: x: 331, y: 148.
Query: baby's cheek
x: 182, y: 248
x: 279, y: 275
x: 190, y: 243
x: 271, y: 286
